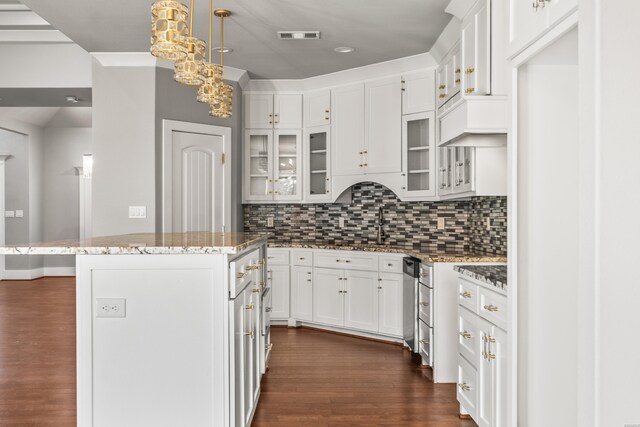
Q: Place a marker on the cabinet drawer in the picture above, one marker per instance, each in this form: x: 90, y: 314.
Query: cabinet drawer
x: 425, y: 304
x: 303, y: 258
x: 493, y: 307
x: 468, y: 295
x: 425, y: 343
x: 242, y: 272
x: 390, y: 264
x: 346, y: 261
x: 469, y: 335
x: 467, y: 390
x: 278, y: 256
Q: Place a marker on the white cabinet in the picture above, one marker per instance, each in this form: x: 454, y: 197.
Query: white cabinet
x: 476, y: 49
x: 390, y: 304
x: 328, y: 301
x: 317, y: 167
x: 272, y: 165
x: 361, y: 300
x: 347, y: 108
x: 528, y: 21
x: 417, y: 92
x: 383, y: 115
x: 302, y: 293
x: 448, y: 77
x: 419, y: 160
x: 317, y: 108
x: 456, y: 170
x: 268, y: 111
x: 278, y: 275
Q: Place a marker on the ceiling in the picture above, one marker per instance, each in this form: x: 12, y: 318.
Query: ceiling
x: 378, y: 31
x: 52, y: 117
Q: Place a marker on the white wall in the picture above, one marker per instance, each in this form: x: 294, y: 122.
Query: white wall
x: 63, y: 150
x: 124, y: 148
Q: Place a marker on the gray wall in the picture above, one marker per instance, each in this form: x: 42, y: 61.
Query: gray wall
x: 63, y: 150
x: 175, y: 101
x: 124, y: 148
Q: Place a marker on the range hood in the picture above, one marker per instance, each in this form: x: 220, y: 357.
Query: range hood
x: 475, y: 121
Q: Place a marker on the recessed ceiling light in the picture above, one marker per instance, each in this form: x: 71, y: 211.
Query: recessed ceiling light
x: 72, y: 99
x: 344, y: 49
x: 222, y: 49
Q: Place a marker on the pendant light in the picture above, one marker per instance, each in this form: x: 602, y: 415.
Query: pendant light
x: 222, y: 105
x: 188, y: 70
x: 211, y: 73
x: 168, y: 28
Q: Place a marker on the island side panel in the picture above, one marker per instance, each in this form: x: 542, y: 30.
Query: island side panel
x: 166, y: 362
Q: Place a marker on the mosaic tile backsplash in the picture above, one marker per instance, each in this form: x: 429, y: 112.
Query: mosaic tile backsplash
x: 407, y: 224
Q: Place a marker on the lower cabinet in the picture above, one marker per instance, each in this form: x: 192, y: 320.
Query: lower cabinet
x: 361, y: 300
x: 302, y: 293
x: 279, y: 277
x: 390, y: 304
x: 328, y: 301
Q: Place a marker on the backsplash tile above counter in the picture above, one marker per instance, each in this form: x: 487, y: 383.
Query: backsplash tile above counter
x: 407, y: 224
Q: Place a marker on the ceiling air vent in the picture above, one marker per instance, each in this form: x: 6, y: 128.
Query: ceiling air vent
x: 299, y: 35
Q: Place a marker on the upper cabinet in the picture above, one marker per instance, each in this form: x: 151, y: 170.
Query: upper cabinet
x: 383, y: 126
x: 529, y: 20
x: 317, y: 108
x: 476, y: 53
x: 317, y: 167
x: 449, y: 78
x: 417, y: 92
x: 418, y: 155
x: 347, y: 107
x: 267, y: 111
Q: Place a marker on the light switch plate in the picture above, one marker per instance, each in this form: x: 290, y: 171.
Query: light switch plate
x: 441, y: 224
x: 341, y: 222
x: 270, y: 221
x: 111, y: 307
x: 137, y: 212
x: 488, y: 223
x: 9, y: 214
x: 19, y: 214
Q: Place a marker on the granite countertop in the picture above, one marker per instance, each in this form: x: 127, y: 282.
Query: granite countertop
x: 495, y: 275
x: 144, y: 243
x: 426, y: 254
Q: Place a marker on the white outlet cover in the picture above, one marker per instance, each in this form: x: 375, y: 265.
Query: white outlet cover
x: 19, y: 214
x: 137, y: 212
x: 341, y: 222
x: 9, y: 214
x: 111, y: 307
x: 441, y: 224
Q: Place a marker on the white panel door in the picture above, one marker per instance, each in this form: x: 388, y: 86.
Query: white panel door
x: 347, y: 142
x: 361, y: 300
x: 317, y: 108
x: 197, y: 182
x: 258, y: 111
x: 418, y: 92
x: 383, y: 126
x: 390, y: 303
x: 287, y: 111
x: 279, y: 276
x: 328, y: 301
x: 302, y: 293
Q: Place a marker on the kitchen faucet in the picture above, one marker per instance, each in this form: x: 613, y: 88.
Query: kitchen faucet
x: 381, y: 234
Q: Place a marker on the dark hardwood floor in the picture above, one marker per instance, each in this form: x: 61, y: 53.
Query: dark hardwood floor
x: 315, y: 378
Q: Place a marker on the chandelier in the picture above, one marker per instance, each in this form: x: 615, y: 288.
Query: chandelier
x: 172, y: 38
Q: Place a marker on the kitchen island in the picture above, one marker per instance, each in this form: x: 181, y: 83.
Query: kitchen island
x: 168, y: 327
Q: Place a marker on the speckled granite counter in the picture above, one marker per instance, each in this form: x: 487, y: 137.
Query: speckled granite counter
x: 494, y: 275
x: 426, y: 255
x: 144, y: 243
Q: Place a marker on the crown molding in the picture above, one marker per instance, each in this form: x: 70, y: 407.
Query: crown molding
x: 459, y: 8
x: 447, y: 39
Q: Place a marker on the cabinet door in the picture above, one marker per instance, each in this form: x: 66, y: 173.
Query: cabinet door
x: 252, y: 306
x: 302, y: 293
x: 445, y: 170
x: 361, y: 300
x: 476, y: 50
x: 238, y: 328
x: 317, y: 108
x: 417, y: 92
x: 499, y: 348
x: 469, y: 336
x: 328, y: 300
x: 419, y: 160
x: 279, y: 276
x: 527, y: 21
x: 287, y: 174
x: 258, y: 165
x: 463, y: 169
x: 390, y: 303
x: 486, y: 375
x: 317, y: 168
x: 287, y: 112
x: 383, y: 126
x: 258, y: 111
x: 454, y: 72
x: 442, y: 84
x: 347, y: 131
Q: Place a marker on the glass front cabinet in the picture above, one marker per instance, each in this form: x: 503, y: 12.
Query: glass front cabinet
x: 456, y: 170
x: 272, y: 165
x: 317, y: 164
x: 418, y: 147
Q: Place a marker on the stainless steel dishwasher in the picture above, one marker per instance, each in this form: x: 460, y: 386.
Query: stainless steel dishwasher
x: 411, y: 270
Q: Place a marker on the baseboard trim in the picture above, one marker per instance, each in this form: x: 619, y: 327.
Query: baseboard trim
x: 37, y: 273
x: 346, y: 332
x: 60, y: 271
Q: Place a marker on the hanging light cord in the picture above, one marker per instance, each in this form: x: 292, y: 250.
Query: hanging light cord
x: 210, y: 27
x: 191, y: 19
x: 222, y: 46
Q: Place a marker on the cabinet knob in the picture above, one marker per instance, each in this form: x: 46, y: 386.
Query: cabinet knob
x: 488, y: 355
x: 326, y: 111
x: 442, y: 87
x: 404, y: 188
x: 249, y: 307
x: 424, y: 341
x: 469, y: 70
x: 470, y: 90
x: 464, y: 387
x: 465, y: 335
x: 365, y: 165
x: 442, y: 95
x: 308, y: 280
x: 252, y: 334
x: 465, y: 294
x: 424, y: 304
x: 491, y: 308
x: 457, y: 70
x: 457, y: 80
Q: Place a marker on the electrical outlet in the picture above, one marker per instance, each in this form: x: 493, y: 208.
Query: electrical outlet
x: 19, y: 214
x: 341, y: 222
x: 111, y: 307
x: 441, y: 224
x: 269, y: 221
x: 9, y: 214
x: 137, y: 212
x: 488, y: 223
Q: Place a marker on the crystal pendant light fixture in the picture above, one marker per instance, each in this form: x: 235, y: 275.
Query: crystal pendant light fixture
x: 168, y: 28
x: 188, y: 70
